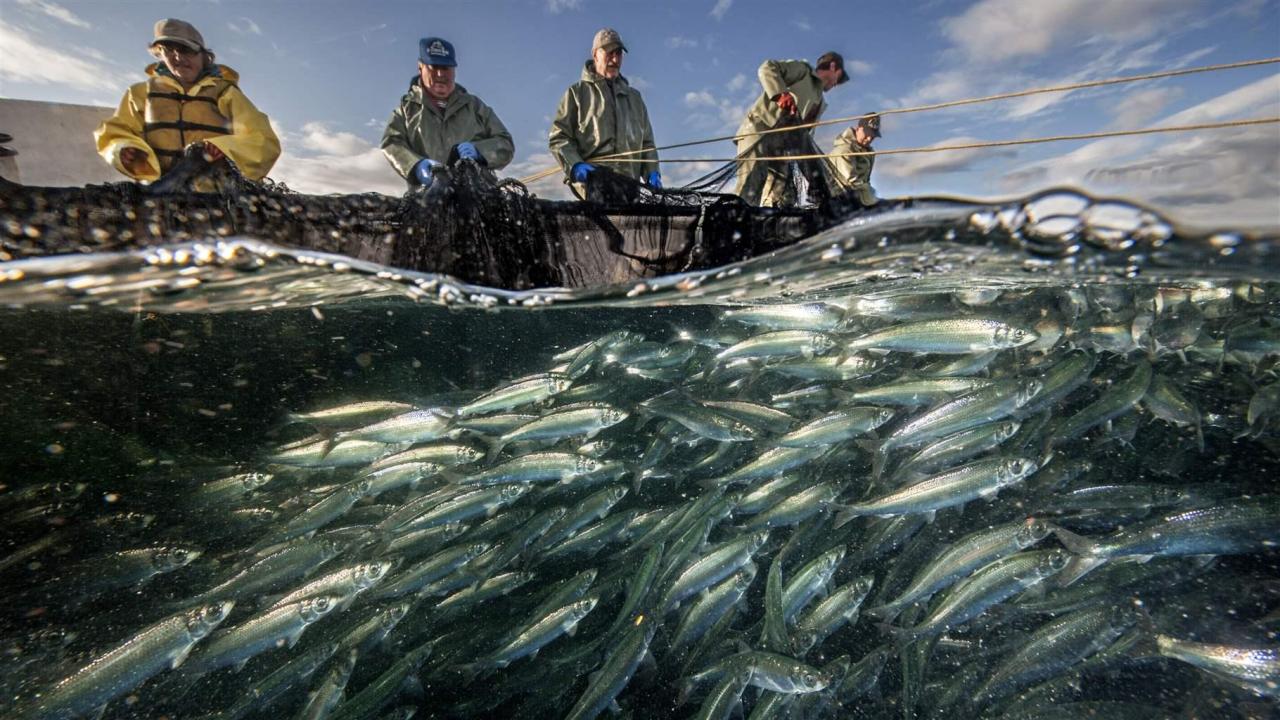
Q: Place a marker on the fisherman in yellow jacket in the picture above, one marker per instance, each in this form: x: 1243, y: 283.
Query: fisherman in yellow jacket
x: 793, y: 95
x: 186, y: 100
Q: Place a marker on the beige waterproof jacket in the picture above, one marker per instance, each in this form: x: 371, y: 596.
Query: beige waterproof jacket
x: 853, y: 173
x: 597, y: 117
x: 777, y: 77
x: 251, y: 144
x: 419, y: 129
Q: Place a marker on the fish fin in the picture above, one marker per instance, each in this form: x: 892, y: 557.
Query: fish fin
x: 614, y: 707
x: 878, y: 461
x: 1077, y: 544
x: 293, y: 637
x: 571, y: 631
x: 929, y: 516
x: 98, y: 712
x: 495, y: 446
x: 180, y: 656
x: 240, y: 665
x: 1077, y: 567
x: 843, y: 516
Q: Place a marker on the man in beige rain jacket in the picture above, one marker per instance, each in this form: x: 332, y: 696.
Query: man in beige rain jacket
x: 853, y: 173
x: 793, y: 95
x: 187, y: 100
x: 439, y: 122
x: 602, y: 115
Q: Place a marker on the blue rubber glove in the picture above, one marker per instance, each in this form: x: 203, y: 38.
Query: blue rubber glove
x: 580, y: 171
x: 654, y: 180
x: 467, y: 151
x: 424, y: 171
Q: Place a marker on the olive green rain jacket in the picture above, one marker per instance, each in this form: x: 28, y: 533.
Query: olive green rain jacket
x: 777, y: 77
x: 853, y: 173
x: 419, y: 129
x: 597, y: 117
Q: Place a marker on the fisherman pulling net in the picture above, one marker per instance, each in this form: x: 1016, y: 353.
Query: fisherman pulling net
x: 467, y: 224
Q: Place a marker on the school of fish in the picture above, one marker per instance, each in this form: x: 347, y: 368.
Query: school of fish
x: 1049, y: 502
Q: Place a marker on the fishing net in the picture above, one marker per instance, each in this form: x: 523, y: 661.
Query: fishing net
x: 469, y: 224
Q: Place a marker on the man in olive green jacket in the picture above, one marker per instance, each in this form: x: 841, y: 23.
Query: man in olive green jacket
x: 601, y: 115
x: 793, y: 95
x: 439, y: 122
x: 853, y: 172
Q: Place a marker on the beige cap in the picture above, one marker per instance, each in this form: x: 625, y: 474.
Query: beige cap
x: 606, y: 38
x: 177, y: 31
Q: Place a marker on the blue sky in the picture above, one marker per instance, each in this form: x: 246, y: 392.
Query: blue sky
x: 328, y: 73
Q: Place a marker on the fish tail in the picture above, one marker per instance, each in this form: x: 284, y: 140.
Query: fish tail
x: 1077, y: 567
x: 846, y: 513
x: 1077, y: 544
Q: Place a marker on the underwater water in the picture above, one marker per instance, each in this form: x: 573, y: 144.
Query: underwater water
x: 975, y: 461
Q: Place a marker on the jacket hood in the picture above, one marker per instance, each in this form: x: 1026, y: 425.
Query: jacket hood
x: 415, y: 93
x: 157, y: 69
x: 589, y: 74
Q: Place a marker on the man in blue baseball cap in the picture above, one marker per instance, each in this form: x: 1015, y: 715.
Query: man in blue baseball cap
x: 438, y: 122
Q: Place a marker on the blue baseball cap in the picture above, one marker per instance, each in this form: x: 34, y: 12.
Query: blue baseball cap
x: 436, y: 51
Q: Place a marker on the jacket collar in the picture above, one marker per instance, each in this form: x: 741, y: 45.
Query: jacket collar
x: 418, y: 95
x: 211, y: 73
x: 589, y: 74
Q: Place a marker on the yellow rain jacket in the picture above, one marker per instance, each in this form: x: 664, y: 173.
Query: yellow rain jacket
x: 597, y: 117
x: 160, y: 118
x: 420, y: 129
x: 853, y: 173
x: 765, y: 182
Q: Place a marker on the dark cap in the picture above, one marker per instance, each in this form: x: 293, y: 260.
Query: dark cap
x: 436, y: 51
x: 176, y: 31
x: 607, y: 38
x: 871, y: 123
x: 834, y: 57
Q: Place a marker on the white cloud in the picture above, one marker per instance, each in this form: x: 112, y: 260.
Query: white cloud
x: 859, y: 68
x: 738, y: 82
x: 713, y: 114
x: 993, y: 31
x: 55, y: 11
x: 317, y: 136
x: 802, y: 24
x: 246, y: 26
x: 702, y: 98
x: 1141, y: 106
x: 722, y: 7
x: 319, y: 161
x: 638, y: 82
x: 552, y: 187
x: 1207, y: 178
x: 906, y: 166
x: 679, y: 41
x: 27, y: 59
x: 558, y: 6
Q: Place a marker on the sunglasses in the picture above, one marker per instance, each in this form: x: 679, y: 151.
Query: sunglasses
x: 174, y: 49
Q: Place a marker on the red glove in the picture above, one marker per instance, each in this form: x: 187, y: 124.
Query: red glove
x: 212, y: 153
x: 787, y: 102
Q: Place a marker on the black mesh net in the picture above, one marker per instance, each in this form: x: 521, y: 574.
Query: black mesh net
x: 468, y: 224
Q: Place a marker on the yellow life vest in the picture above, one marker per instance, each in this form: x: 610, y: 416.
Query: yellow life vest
x: 174, y: 119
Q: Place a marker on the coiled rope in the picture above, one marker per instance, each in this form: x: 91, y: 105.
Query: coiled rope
x: 622, y: 156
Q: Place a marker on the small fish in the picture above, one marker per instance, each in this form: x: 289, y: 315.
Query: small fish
x: 780, y: 344
x: 980, y: 479
x: 159, y: 647
x: 276, y: 627
x: 351, y: 413
x: 524, y: 391
x: 950, y: 336
x: 1255, y: 668
x: 415, y: 426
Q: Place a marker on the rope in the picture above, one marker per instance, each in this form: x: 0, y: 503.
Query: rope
x: 992, y: 143
x: 936, y: 106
